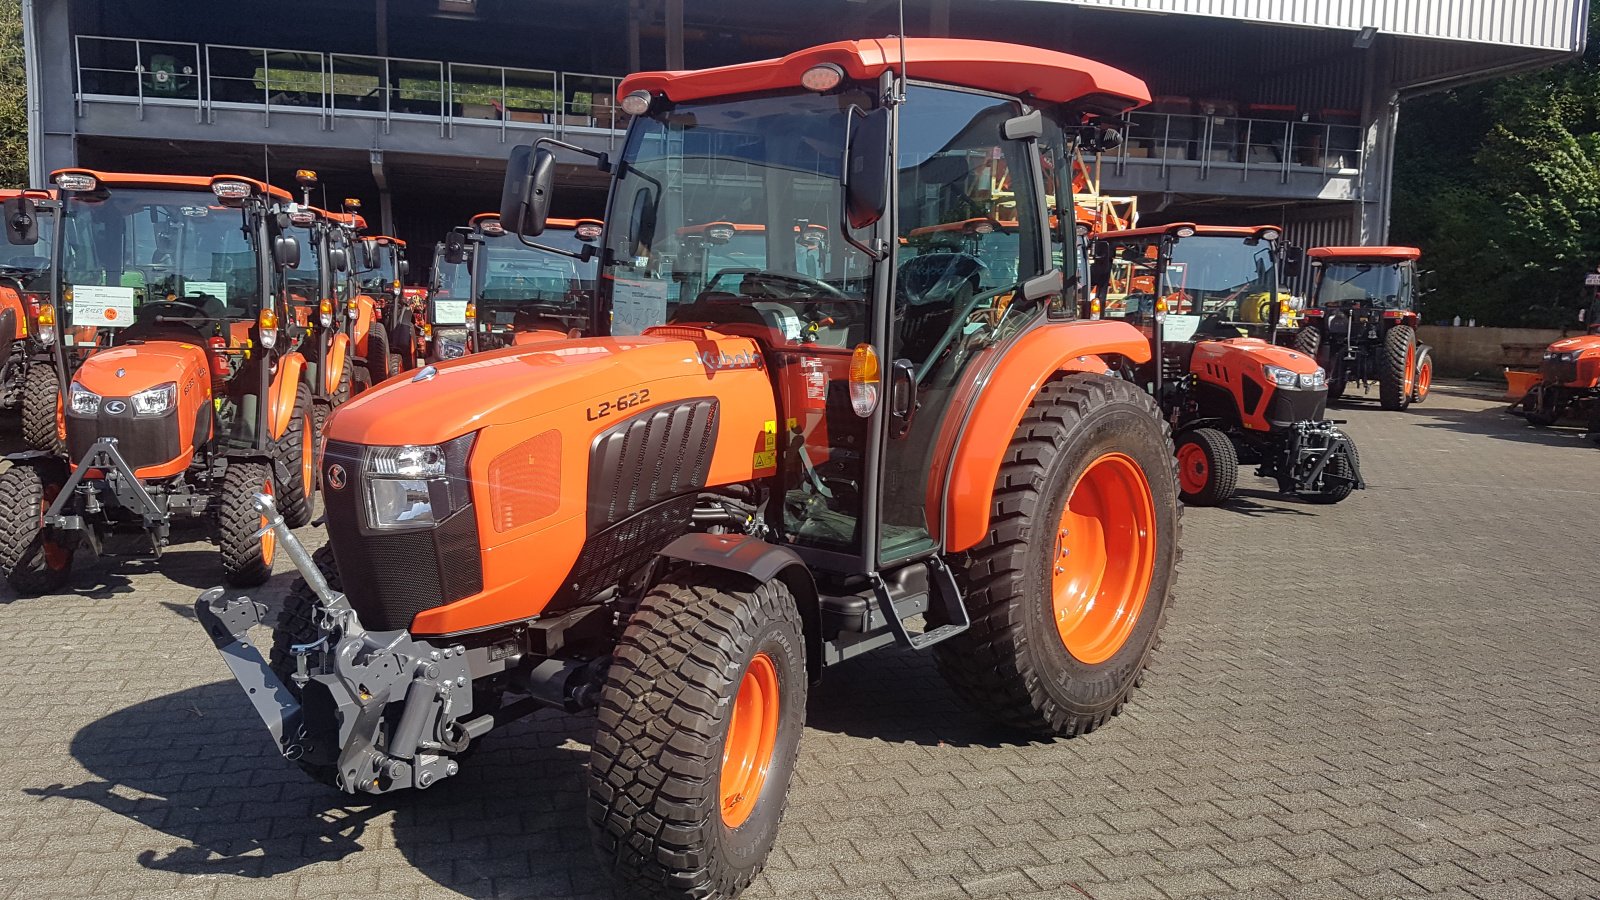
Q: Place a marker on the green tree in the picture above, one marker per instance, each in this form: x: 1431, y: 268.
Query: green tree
x: 13, y: 98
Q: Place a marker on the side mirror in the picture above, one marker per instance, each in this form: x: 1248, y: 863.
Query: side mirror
x: 455, y: 248
x: 405, y: 267
x: 1294, y: 260
x: 866, y: 156
x: 525, y: 195
x: 1583, y: 316
x: 643, y: 217
x: 286, y: 251
x: 338, y: 259
x: 22, y: 221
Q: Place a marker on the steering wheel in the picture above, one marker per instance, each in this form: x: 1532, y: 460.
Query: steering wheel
x: 803, y: 282
x: 152, y: 306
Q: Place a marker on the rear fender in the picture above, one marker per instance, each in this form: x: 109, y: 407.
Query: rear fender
x: 282, y: 393
x: 977, y: 450
x: 337, y: 352
x: 11, y: 306
x: 763, y: 562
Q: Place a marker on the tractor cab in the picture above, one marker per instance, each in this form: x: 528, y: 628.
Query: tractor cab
x: 1197, y: 281
x: 1383, y: 279
x: 521, y: 294
x: 450, y: 294
x: 1361, y: 320
x: 318, y: 289
x: 717, y: 255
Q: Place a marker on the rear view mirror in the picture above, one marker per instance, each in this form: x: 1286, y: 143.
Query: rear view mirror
x: 455, y: 248
x: 338, y: 259
x: 286, y: 251
x: 866, y: 167
x: 405, y: 267
x: 643, y: 218
x: 525, y: 195
x: 22, y: 221
x: 1294, y: 259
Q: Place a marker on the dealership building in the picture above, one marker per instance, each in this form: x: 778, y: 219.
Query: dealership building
x: 1264, y: 110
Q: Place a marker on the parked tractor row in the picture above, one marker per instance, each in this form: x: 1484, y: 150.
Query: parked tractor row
x: 841, y: 368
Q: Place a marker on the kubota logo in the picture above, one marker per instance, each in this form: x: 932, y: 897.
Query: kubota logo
x: 336, y: 477
x: 116, y: 407
x: 744, y: 359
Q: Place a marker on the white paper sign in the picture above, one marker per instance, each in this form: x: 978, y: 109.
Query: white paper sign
x: 217, y: 289
x: 106, y: 307
x: 637, y: 305
x: 1179, y: 328
x: 450, y: 312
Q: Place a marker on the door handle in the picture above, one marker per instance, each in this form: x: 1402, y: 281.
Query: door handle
x: 902, y: 397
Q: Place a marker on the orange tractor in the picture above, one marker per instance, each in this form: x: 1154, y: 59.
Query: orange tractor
x: 684, y: 528
x: 27, y: 367
x: 1569, y: 377
x: 382, y: 325
x: 319, y: 293
x: 193, y: 402
x: 507, y: 293
x: 1360, y: 323
x: 1210, y: 300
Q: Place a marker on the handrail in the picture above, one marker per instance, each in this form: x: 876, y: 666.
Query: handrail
x: 1209, y: 142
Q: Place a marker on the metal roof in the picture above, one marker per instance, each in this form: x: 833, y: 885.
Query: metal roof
x: 1556, y: 25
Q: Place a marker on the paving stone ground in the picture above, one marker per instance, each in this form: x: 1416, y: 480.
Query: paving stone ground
x: 1394, y: 697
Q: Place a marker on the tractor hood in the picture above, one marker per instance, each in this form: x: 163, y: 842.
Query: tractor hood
x: 517, y: 383
x: 127, y: 370
x: 1583, y: 342
x: 1259, y: 351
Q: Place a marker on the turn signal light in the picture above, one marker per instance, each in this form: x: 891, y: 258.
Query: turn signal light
x: 866, y: 377
x: 47, y: 324
x: 325, y: 313
x: 472, y: 311
x: 1094, y: 308
x: 267, y: 327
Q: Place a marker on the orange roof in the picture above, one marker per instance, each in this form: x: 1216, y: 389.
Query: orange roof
x: 970, y: 225
x: 1239, y: 231
x: 385, y: 239
x: 170, y: 182
x: 1387, y: 254
x: 1011, y: 69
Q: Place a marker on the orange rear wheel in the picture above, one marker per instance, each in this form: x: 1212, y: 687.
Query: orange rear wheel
x: 752, y: 735
x: 1104, y: 554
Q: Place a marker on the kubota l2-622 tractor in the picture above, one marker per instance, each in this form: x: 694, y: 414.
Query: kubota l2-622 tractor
x: 193, y: 404
x: 1232, y: 395
x: 684, y: 527
x: 1361, y: 321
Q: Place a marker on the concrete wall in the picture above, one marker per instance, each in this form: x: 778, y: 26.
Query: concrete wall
x: 1463, y: 351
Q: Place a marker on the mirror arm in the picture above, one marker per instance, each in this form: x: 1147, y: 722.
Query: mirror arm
x: 602, y: 161
x: 583, y: 256
x: 878, y: 253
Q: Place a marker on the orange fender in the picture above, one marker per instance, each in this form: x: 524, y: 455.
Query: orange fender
x: 281, y: 395
x: 1035, y: 358
x: 336, y: 354
x: 366, y: 308
x: 11, y: 300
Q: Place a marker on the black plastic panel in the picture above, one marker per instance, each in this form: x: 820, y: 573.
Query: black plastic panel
x: 657, y: 454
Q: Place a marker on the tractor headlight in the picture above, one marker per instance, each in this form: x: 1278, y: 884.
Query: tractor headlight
x: 1315, y: 380
x: 1280, y: 376
x: 403, y: 486
x: 84, y: 401
x: 156, y: 400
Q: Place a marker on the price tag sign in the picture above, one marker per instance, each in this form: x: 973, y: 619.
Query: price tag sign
x: 107, y: 307
x: 1592, y: 279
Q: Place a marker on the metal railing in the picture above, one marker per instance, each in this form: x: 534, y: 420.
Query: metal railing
x: 1240, y: 144
x: 345, y: 86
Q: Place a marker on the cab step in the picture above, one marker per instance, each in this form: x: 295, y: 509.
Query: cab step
x: 878, y: 616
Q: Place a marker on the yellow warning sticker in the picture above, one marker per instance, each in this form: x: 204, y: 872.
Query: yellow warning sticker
x: 794, y: 424
x: 767, y: 460
x: 772, y: 434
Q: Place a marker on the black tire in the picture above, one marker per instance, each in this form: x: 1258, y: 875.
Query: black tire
x: 380, y: 362
x: 655, y: 770
x: 1399, y: 364
x: 35, y: 560
x: 341, y: 393
x: 295, y: 625
x: 404, y: 338
x: 1012, y: 664
x: 1221, y: 476
x: 1543, y: 405
x: 1335, y: 491
x: 1308, y: 340
x: 360, y: 381
x: 40, y: 391
x: 245, y: 560
x: 297, y: 449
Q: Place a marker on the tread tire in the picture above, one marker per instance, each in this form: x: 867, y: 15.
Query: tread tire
x: 39, y: 393
x: 1011, y: 664
x: 381, y: 363
x: 237, y: 523
x: 1399, y: 363
x: 23, y: 539
x: 655, y: 767
x: 297, y: 497
x: 1223, y: 461
x: 295, y: 625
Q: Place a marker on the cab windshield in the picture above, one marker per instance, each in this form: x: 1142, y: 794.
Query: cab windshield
x: 1226, y: 278
x: 383, y: 275
x: 520, y: 281
x: 126, y: 247
x: 1367, y: 284
x: 30, y: 266
x: 770, y: 166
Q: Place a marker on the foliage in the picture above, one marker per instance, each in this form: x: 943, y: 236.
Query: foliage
x: 13, y: 98
x: 1499, y: 184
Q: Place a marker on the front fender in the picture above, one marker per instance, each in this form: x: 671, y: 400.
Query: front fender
x: 281, y: 395
x: 362, y: 326
x: 978, y: 449
x: 337, y: 351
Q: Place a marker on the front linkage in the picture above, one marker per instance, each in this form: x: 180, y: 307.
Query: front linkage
x: 1309, y: 449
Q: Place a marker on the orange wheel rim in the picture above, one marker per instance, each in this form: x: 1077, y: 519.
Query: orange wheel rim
x: 1411, y: 369
x: 1104, y: 558
x: 1194, y: 470
x: 1424, y: 379
x: 308, y: 469
x: 269, y: 540
x: 752, y: 736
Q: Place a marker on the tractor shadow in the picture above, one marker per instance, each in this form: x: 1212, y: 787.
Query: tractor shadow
x: 1498, y: 424
x: 197, y: 766
x: 898, y: 696
x: 1262, y: 503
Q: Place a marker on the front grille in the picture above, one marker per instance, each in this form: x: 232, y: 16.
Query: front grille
x: 624, y: 548
x: 143, y: 441
x: 1559, y: 372
x: 390, y: 576
x: 1289, y: 406
x: 650, y: 457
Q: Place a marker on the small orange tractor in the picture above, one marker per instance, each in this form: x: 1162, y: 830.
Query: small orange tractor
x: 1361, y: 322
x: 1209, y: 298
x: 685, y: 527
x: 516, y: 294
x: 27, y: 366
x: 319, y: 292
x: 382, y: 323
x: 1569, y: 378
x: 193, y: 402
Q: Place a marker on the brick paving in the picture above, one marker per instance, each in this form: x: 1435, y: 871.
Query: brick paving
x: 1394, y: 697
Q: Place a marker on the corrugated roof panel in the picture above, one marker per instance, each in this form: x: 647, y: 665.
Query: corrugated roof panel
x: 1558, y: 25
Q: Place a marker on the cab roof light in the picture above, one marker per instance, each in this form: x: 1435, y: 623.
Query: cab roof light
x: 76, y: 182
x: 637, y: 103
x: 230, y: 190
x: 822, y: 77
